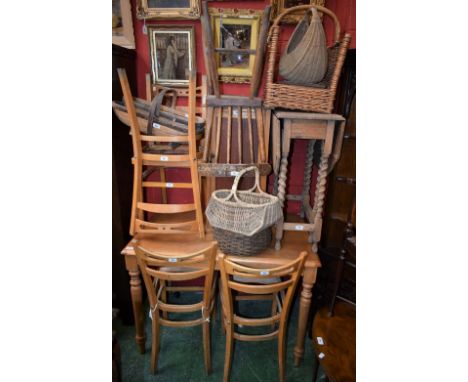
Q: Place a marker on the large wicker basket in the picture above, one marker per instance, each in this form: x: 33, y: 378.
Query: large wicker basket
x: 318, y: 97
x: 242, y: 220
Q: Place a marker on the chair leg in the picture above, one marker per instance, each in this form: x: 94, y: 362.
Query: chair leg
x: 154, y: 342
x: 164, y: 297
x: 228, y: 356
x: 281, y: 353
x: 274, y: 308
x: 207, y: 346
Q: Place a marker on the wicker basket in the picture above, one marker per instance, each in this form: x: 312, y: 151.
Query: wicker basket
x: 241, y: 220
x: 318, y: 97
x: 237, y: 244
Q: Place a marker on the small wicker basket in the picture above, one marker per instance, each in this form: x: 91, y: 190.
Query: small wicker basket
x: 315, y: 98
x: 242, y: 220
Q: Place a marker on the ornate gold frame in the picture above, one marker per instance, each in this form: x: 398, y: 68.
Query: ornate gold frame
x: 190, y: 30
x: 277, y: 7
x: 145, y: 12
x: 240, y: 17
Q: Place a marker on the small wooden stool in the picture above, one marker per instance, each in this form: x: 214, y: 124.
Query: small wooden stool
x: 328, y: 128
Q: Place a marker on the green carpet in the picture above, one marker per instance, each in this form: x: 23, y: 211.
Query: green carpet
x: 181, y: 352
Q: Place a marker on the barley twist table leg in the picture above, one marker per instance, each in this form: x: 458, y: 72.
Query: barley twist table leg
x: 282, y: 197
x: 304, y: 308
x: 319, y: 202
x: 307, y: 176
x: 136, y: 294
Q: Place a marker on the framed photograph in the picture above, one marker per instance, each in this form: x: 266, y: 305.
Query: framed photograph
x: 168, y: 9
x: 279, y: 6
x: 172, y: 54
x: 235, y: 35
x: 122, y: 26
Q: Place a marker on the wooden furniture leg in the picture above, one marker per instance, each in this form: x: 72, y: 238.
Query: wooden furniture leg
x: 307, y: 177
x: 308, y: 281
x: 282, y: 179
x: 136, y: 295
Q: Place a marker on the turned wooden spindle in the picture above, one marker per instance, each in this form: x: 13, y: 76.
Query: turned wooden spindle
x: 307, y: 176
x: 314, y: 237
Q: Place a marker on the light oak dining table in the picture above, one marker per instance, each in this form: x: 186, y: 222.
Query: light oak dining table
x: 293, y: 244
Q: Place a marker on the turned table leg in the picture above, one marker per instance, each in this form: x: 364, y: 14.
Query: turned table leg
x: 304, y: 307
x: 137, y: 303
x: 282, y: 179
x: 307, y: 177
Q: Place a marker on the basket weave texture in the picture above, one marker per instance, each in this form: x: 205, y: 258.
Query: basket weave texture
x: 318, y: 97
x: 241, y: 220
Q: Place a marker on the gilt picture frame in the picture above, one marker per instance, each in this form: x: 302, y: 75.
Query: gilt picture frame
x: 168, y: 9
x: 235, y: 35
x: 172, y: 54
x: 279, y: 6
x: 122, y: 25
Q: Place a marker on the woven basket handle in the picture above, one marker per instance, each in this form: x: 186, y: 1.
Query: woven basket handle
x: 306, y: 8
x: 235, y: 184
x: 155, y: 107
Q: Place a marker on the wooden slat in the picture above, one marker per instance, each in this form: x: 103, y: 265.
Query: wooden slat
x: 207, y: 35
x: 180, y: 227
x: 180, y: 308
x: 181, y: 324
x: 250, y: 135
x: 239, y: 134
x: 256, y: 321
x: 166, y: 185
x: 230, y: 100
x: 159, y: 138
x: 256, y: 337
x: 295, y: 227
x: 218, y: 135
x: 166, y: 208
x: 227, y: 170
x: 259, y: 289
x: 228, y: 158
x: 165, y: 158
x: 209, y: 123
x: 261, y: 136
x: 260, y: 54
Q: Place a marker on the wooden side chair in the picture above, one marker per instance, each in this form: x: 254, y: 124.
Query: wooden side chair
x: 157, y: 270
x: 152, y: 218
x: 239, y: 278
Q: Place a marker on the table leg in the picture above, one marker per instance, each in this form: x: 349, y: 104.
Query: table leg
x: 308, y: 281
x: 137, y: 303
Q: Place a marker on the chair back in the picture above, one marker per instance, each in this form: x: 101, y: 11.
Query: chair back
x: 157, y: 268
x: 257, y: 281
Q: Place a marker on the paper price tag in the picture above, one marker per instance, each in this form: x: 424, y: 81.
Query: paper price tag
x: 169, y: 185
x: 264, y: 273
x: 320, y: 340
x: 299, y: 228
x: 156, y: 125
x: 321, y: 355
x: 234, y: 173
x: 164, y: 158
x: 172, y: 260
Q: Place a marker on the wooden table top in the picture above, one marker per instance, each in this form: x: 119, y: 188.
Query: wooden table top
x: 293, y: 243
x: 339, y: 336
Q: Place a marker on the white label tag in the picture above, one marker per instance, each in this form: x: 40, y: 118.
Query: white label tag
x: 320, y: 340
x: 234, y: 173
x: 186, y: 115
x: 264, y: 273
x: 169, y: 185
x: 156, y: 125
x: 145, y: 29
x: 164, y: 158
x: 299, y: 227
x: 321, y: 355
x: 172, y: 260
x: 151, y: 314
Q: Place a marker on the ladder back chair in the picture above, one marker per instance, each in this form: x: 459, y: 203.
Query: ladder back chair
x: 250, y: 282
x: 154, y: 218
x: 157, y: 270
